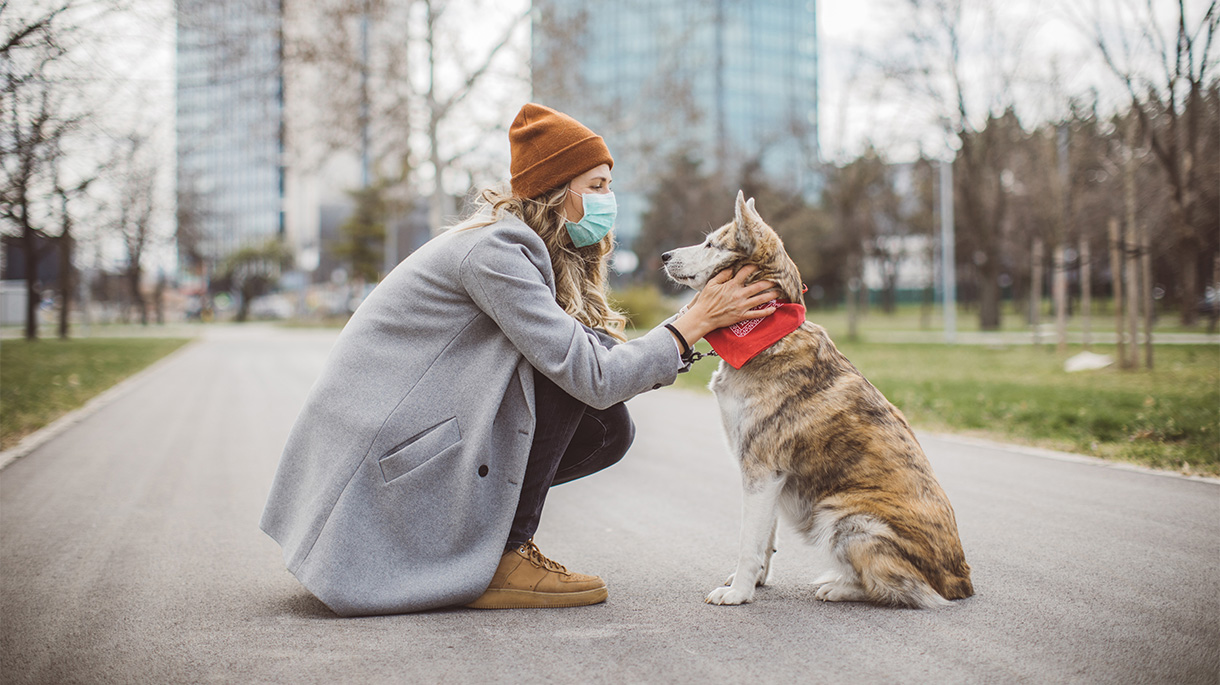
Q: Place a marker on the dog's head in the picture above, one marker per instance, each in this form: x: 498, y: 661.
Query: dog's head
x: 747, y: 239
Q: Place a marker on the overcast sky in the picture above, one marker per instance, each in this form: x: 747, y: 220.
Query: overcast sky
x: 855, y: 105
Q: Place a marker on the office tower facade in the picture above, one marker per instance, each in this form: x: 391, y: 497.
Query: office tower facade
x: 730, y: 82
x: 230, y: 126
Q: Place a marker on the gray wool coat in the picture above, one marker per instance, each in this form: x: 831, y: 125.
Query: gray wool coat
x: 399, y: 481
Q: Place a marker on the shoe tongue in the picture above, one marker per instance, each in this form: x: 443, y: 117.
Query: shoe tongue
x: 538, y: 558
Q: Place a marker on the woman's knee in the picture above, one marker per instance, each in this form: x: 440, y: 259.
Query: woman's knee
x: 620, y: 433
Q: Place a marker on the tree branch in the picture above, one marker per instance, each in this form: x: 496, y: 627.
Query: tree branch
x: 474, y: 77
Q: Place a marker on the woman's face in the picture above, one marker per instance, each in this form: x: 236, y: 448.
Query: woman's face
x: 595, y: 180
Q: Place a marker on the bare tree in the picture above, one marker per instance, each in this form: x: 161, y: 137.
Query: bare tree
x: 857, y: 197
x: 401, y: 75
x: 134, y: 215
x: 35, y: 123
x: 441, y: 101
x: 50, y: 107
x: 66, y: 193
x: 1172, y: 104
x: 960, y: 63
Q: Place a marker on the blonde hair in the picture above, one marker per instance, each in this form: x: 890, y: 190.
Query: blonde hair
x: 580, y: 272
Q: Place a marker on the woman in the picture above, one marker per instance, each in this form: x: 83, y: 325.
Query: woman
x: 482, y: 370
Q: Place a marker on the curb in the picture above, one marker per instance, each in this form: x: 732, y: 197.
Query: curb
x: 1065, y: 456
x: 48, y: 432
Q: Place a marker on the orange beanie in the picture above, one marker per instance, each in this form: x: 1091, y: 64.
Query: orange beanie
x: 549, y: 149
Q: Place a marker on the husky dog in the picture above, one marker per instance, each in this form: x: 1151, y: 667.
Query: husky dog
x: 817, y: 442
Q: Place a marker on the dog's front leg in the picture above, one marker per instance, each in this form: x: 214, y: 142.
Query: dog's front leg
x: 759, y: 512
x: 772, y: 548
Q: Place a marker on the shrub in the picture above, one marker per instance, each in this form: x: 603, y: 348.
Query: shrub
x: 645, y: 306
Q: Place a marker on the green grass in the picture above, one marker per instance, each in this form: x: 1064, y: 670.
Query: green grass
x: 1166, y: 418
x: 913, y: 317
x: 43, y: 380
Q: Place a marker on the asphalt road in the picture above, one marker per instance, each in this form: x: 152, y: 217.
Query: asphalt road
x: 130, y: 553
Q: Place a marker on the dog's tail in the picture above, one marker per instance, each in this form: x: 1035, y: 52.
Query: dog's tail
x: 884, y: 570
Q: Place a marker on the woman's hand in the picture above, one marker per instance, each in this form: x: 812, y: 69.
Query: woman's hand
x: 724, y: 301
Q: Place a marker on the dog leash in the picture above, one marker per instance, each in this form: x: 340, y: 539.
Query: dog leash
x: 689, y: 354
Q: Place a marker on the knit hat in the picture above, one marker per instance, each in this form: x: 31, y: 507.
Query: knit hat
x: 549, y: 149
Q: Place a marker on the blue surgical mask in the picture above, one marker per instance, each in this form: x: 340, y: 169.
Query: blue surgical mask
x: 600, y: 210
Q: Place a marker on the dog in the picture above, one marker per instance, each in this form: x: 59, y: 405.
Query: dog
x: 818, y: 443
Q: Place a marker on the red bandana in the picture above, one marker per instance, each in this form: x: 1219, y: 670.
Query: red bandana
x: 737, y: 344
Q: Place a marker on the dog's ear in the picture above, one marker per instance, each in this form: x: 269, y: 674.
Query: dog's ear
x: 751, y: 213
x: 744, y: 216
x: 744, y: 213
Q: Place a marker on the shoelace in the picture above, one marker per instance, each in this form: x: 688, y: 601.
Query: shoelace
x: 531, y: 552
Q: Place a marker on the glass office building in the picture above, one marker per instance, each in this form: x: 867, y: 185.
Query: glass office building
x: 732, y: 82
x: 230, y: 125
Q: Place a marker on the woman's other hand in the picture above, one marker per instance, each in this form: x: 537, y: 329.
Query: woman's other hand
x: 724, y: 301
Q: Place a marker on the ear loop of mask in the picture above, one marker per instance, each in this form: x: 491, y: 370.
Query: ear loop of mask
x: 565, y: 201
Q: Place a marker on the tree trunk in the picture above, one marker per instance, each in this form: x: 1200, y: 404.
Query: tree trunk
x: 435, y: 213
x: 1035, y: 290
x: 989, y: 294
x: 1116, y: 282
x: 1146, y: 279
x: 1060, y: 292
x: 1190, y: 282
x: 137, y: 298
x: 1086, y: 293
x: 853, y: 297
x: 243, y: 310
x: 1131, y: 265
x: 32, y: 296
x: 65, y: 280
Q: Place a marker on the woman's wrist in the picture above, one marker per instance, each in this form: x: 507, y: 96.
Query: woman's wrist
x: 691, y: 327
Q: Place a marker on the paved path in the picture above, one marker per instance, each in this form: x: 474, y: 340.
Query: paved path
x: 129, y: 552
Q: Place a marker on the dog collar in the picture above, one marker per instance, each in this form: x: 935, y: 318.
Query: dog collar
x: 741, y: 342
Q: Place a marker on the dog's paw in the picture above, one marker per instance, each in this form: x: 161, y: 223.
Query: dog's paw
x: 838, y: 591
x: 728, y: 595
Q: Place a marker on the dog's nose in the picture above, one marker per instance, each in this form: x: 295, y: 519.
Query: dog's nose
x: 665, y: 256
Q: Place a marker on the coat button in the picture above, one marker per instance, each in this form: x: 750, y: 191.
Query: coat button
x: 483, y: 470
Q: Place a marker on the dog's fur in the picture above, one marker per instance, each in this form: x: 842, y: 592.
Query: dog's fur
x: 817, y: 442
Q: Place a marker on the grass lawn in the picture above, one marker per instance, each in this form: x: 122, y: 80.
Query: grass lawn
x: 913, y: 317
x: 45, y: 379
x: 1167, y: 418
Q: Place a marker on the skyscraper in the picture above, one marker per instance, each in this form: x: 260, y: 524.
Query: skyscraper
x: 230, y: 126
x: 729, y: 81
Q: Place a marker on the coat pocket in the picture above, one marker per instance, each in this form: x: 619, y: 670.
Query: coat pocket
x: 419, y: 449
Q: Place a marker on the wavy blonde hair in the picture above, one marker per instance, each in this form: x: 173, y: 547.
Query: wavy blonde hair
x: 580, y: 272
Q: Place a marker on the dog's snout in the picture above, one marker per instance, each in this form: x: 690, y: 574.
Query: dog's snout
x: 666, y: 256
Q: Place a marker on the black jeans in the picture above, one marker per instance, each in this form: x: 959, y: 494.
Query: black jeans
x: 571, y: 440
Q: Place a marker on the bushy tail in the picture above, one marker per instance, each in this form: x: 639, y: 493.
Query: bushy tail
x: 886, y: 576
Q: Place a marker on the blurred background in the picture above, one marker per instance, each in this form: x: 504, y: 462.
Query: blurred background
x: 1039, y: 165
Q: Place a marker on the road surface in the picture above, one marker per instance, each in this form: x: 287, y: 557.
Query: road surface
x: 130, y: 552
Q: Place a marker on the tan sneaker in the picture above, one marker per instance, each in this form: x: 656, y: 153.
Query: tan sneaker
x: 525, y: 579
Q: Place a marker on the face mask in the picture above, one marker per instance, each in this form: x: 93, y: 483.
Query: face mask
x: 600, y: 210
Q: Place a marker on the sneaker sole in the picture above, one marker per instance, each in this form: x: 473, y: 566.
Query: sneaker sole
x: 526, y: 599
